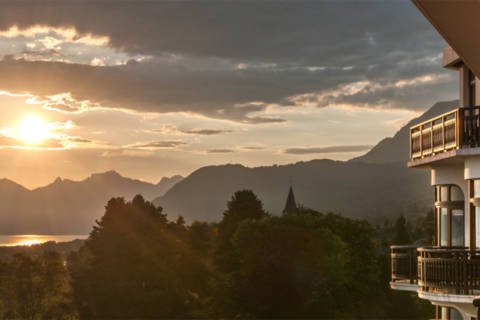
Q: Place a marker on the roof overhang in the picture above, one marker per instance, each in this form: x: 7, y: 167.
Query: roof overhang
x: 458, y: 22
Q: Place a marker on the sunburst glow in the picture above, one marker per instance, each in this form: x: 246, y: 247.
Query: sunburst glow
x: 28, y: 242
x: 33, y: 130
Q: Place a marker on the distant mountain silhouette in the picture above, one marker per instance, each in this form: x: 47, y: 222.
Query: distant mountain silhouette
x: 166, y: 183
x: 355, y: 189
x: 376, y: 185
x: 66, y: 206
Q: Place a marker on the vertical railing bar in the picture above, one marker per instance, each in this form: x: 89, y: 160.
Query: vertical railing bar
x: 443, y: 134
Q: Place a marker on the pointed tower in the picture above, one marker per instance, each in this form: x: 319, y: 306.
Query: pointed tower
x: 290, y: 205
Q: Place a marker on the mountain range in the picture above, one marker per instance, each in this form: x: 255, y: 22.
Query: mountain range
x: 66, y: 206
x: 375, y: 186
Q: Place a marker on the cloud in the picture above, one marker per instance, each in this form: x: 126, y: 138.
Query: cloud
x: 220, y: 151
x: 199, y: 63
x: 79, y: 140
x: 51, y: 143
x: 144, y: 87
x: 251, y: 148
x: 166, y: 144
x: 330, y: 149
x: 61, y: 108
x: 278, y: 33
x: 172, y: 129
x: 206, y: 132
x: 127, y: 153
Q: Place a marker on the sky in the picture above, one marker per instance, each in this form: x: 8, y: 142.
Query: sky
x: 158, y: 88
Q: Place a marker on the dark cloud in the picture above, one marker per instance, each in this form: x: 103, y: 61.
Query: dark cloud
x: 79, y: 140
x: 152, y: 87
x: 220, y: 151
x: 331, y: 149
x: 229, y: 60
x: 215, y: 93
x: 167, y: 144
x: 280, y: 32
x: 206, y: 132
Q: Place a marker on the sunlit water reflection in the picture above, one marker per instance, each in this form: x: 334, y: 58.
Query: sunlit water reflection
x: 31, y: 239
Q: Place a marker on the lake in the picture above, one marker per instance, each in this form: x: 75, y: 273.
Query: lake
x: 30, y: 239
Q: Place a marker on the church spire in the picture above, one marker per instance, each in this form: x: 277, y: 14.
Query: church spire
x: 290, y: 205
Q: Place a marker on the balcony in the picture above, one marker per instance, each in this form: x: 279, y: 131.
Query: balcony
x: 452, y: 271
x: 457, y: 129
x: 404, y: 264
x: 436, y: 270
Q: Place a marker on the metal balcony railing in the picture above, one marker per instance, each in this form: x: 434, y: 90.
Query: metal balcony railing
x: 404, y: 264
x: 439, y: 270
x: 459, y: 128
x: 449, y: 270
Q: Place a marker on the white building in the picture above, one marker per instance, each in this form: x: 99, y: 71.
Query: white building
x: 448, y: 273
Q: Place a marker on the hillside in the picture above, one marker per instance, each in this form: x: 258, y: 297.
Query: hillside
x: 67, y: 206
x: 352, y: 188
x: 375, y: 185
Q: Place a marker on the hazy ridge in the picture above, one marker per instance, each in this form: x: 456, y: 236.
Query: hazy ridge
x: 375, y: 186
x: 67, y: 206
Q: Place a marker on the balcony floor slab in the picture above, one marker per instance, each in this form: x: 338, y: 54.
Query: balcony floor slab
x: 446, y: 297
x: 403, y: 286
x: 450, y: 157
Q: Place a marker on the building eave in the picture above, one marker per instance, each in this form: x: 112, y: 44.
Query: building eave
x: 457, y: 23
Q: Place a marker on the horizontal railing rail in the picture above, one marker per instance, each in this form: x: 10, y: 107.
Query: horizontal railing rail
x: 404, y: 263
x: 459, y: 128
x: 449, y: 270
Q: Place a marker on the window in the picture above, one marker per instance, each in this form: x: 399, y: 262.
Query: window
x: 450, y: 220
x: 449, y: 313
x: 476, y: 188
x: 458, y: 223
x: 455, y: 314
x: 471, y: 88
x: 456, y: 194
x: 443, y: 227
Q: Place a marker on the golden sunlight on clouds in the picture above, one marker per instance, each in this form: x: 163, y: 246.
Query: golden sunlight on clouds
x: 33, y: 130
x: 69, y: 34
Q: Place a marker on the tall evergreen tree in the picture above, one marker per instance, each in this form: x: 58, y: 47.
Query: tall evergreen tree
x: 244, y: 205
x: 401, y: 236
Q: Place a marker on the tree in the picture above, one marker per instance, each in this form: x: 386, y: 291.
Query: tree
x: 401, y: 235
x: 201, y: 237
x: 428, y: 227
x: 35, y: 288
x: 136, y: 264
x: 244, y: 205
x: 288, y: 268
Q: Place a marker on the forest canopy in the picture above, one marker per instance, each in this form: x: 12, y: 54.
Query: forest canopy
x: 138, y: 264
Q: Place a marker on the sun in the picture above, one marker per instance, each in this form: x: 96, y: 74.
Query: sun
x: 33, y: 130
x: 28, y: 242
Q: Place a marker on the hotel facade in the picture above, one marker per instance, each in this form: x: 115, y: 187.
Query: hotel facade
x: 448, y: 272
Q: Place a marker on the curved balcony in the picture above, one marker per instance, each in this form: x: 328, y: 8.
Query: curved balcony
x: 449, y: 270
x: 436, y: 270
